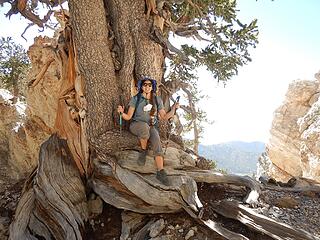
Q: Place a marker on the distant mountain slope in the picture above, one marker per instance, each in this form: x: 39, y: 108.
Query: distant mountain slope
x: 236, y: 157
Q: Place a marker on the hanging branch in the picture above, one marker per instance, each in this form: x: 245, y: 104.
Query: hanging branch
x: 22, y: 7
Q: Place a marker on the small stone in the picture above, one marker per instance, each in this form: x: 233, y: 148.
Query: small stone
x: 189, y: 234
x: 95, y: 206
x: 195, y: 229
x: 286, y: 202
x: 171, y: 227
x: 180, y: 230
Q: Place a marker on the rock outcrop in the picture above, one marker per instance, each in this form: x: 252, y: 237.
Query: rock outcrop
x: 294, y: 146
x: 309, y: 128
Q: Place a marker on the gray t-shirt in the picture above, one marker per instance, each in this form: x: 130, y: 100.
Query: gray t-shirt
x: 140, y: 114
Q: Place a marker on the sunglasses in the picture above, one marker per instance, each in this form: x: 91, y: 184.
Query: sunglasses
x: 147, y: 85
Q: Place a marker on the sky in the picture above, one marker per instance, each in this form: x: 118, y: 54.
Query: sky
x: 288, y: 49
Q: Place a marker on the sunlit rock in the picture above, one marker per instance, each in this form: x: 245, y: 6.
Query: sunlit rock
x: 294, y: 145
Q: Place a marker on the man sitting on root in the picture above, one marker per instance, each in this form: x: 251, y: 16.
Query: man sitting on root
x: 144, y: 109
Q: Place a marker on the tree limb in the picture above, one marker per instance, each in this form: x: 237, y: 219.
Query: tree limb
x: 272, y: 228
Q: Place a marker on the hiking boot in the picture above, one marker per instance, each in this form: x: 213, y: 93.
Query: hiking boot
x: 142, y: 157
x: 162, y: 177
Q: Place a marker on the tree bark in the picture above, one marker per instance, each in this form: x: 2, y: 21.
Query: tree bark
x: 95, y: 63
x: 137, y: 53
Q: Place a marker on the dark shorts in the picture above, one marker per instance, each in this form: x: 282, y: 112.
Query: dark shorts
x: 143, y: 131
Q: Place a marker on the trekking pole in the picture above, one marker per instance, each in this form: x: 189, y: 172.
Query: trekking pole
x: 120, y: 123
x: 170, y: 120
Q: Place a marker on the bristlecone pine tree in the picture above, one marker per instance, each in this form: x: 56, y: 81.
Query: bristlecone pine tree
x: 105, y: 46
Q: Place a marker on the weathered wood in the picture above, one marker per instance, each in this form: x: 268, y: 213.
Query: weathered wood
x: 210, y: 176
x: 173, y: 159
x: 111, y: 191
x: 19, y: 228
x: 53, y: 204
x: 34, y: 82
x: 144, y: 191
x: 130, y: 221
x: 311, y: 188
x: 147, y: 194
x: 70, y: 116
x: 258, y: 222
x: 177, y: 162
x: 223, y: 231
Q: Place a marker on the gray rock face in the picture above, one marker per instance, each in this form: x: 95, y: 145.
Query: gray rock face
x: 294, y: 146
x: 309, y: 128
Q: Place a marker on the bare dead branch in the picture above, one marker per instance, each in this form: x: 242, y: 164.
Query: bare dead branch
x: 29, y: 25
x: 4, y: 1
x: 20, y: 6
x: 169, y: 91
x: 158, y: 37
x: 34, y: 82
x: 52, y: 3
x: 270, y: 227
x: 311, y: 188
x: 186, y: 108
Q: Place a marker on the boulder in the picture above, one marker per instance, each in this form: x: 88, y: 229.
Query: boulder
x: 294, y: 146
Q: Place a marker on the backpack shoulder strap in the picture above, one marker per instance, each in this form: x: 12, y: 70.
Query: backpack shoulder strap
x: 157, y: 102
x: 137, y: 103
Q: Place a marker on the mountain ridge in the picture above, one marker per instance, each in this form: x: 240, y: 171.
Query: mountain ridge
x: 237, y: 157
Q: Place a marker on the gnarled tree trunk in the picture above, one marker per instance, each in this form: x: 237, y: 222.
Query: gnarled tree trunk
x: 107, y: 47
